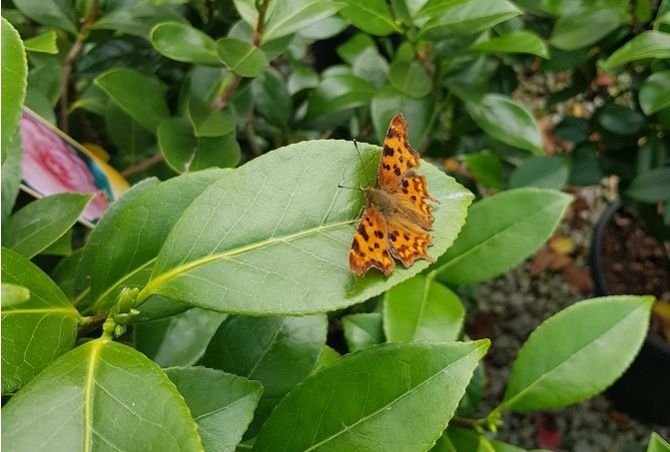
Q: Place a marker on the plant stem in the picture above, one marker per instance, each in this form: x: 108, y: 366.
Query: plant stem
x: 143, y: 165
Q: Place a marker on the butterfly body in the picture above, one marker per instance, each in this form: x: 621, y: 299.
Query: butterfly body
x: 397, y: 219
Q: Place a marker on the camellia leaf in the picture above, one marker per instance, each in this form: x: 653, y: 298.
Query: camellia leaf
x: 53, y: 13
x: 208, y: 121
x: 87, y: 384
x: 386, y: 388
x: 655, y: 93
x: 242, y: 57
x: 286, y: 18
x: 362, y: 330
x: 44, y: 43
x: 42, y: 222
x: 389, y: 101
x: 371, y: 16
x: 652, y: 186
x: 182, y: 42
x: 296, y: 235
x: 605, y: 335
x: 466, y: 18
x: 36, y: 331
x: 272, y: 98
x: 222, y: 404
x: 525, y: 219
x: 584, y: 29
x: 486, y: 168
x: 136, y: 18
x: 13, y: 295
x: 11, y: 179
x: 422, y: 309
x: 337, y: 93
x: 657, y: 443
x: 514, y: 42
x: 646, y: 45
x: 541, y: 172
x: 410, y: 78
x: 14, y: 79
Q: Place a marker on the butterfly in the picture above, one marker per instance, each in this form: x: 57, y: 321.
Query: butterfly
x: 397, y: 220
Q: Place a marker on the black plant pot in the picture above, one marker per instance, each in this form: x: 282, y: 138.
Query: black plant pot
x: 643, y: 391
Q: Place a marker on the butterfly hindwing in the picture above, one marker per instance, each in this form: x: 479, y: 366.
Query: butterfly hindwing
x: 408, y: 242
x: 398, y: 157
x: 370, y: 244
x: 413, y: 193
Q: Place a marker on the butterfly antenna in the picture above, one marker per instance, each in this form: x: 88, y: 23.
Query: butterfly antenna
x: 360, y: 159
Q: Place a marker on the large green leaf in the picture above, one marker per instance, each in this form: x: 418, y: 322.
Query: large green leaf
x: 222, y: 404
x: 293, y: 234
x: 13, y: 295
x: 286, y: 18
x: 371, y: 16
x: 182, y: 42
x: 501, y: 231
x: 422, y: 309
x: 37, y: 331
x: 42, y: 222
x: 402, y: 395
x: 646, y: 45
x: 410, y: 78
x: 141, y: 96
x: 514, y: 42
x: 14, y: 79
x: 505, y: 120
x: 652, y: 186
x: 277, y: 351
x: 53, y: 13
x: 339, y: 93
x: 655, y: 92
x: 100, y: 396
x: 541, y: 172
x: 657, y: 443
x: 577, y: 353
x: 469, y: 18
x: 585, y: 28
x: 242, y: 57
x: 362, y: 330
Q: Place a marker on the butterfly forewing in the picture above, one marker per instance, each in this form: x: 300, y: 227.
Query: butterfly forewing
x: 370, y: 245
x: 398, y: 157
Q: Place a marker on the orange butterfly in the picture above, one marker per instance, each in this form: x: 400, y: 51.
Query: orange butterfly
x: 397, y: 220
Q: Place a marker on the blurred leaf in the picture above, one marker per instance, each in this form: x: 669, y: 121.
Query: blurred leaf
x: 129, y: 137
x: 339, y: 93
x: 648, y: 44
x: 657, y: 443
x: 34, y: 332
x: 387, y: 102
x: 61, y: 247
x: 272, y: 98
x: 125, y: 51
x: 140, y: 96
x: 208, y: 121
x: 422, y: 310
x: 327, y: 357
x: 371, y: 16
x: 525, y: 219
x: 410, y: 79
x: 371, y: 66
x: 542, y: 172
x: 652, y: 187
x: 605, y: 335
x: 136, y: 18
x: 13, y: 295
x: 469, y: 18
x: 354, y: 47
x: 515, y: 42
x: 585, y: 28
x: 486, y: 167
x: 286, y: 18
x: 655, y: 93
x: 302, y: 78
x: 469, y: 404
x: 42, y: 222
x: 620, y: 120
x: 222, y: 404
x: 585, y: 166
x: 460, y: 439
x: 241, y: 57
x: 11, y: 178
x: 182, y: 42
x: 651, y: 155
x: 324, y: 28
x: 576, y: 130
x: 44, y: 43
x: 52, y: 13
x: 362, y: 330
x: 14, y: 73
x: 384, y: 386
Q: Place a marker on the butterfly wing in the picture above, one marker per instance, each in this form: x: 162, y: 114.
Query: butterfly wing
x: 398, y: 157
x: 412, y: 194
x: 369, y: 247
x: 408, y: 242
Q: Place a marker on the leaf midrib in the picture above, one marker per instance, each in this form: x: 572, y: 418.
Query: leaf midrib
x: 88, y: 394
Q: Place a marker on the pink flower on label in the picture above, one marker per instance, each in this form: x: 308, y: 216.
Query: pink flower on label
x: 51, y: 166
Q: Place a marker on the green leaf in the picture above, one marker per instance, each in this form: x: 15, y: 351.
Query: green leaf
x: 541, y: 172
x: 459, y: 439
x: 61, y: 247
x: 648, y: 44
x: 469, y: 18
x: 182, y: 42
x: 371, y: 66
x: 655, y: 93
x: 52, y: 13
x: 14, y: 76
x: 422, y: 309
x: 362, y: 330
x: 222, y: 404
x: 129, y: 137
x: 291, y: 233
x: 367, y: 400
x: 371, y: 16
x: 584, y: 29
x: 338, y: 93
x: 410, y: 79
x: 208, y: 121
x: 302, y: 78
x: 141, y: 96
x: 652, y: 186
x: 42, y: 222
x: 277, y: 351
x: 657, y: 443
x: 323, y: 29
x: 272, y: 98
x: 184, y: 152
x: 44, y: 43
x: 354, y: 47
x: 620, y: 120
x: 182, y: 342
x: 514, y: 42
x: 524, y: 219
x: 34, y: 332
x: 605, y: 335
x: 242, y: 57
x: 505, y: 120
x: 13, y: 295
x: 486, y: 167
x: 327, y: 357
x: 11, y: 179
x: 387, y: 102
x: 286, y: 18
x: 136, y: 18
x: 109, y: 396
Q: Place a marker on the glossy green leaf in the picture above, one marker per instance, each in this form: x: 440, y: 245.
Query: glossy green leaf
x: 34, y: 332
x: 14, y: 76
x: 468, y: 18
x: 653, y: 186
x: 222, y: 404
x: 387, y: 102
x: 302, y: 78
x: 604, y: 336
x: 208, y: 121
x: 354, y: 47
x: 130, y: 138
x: 53, y: 13
x: 286, y: 18
x: 524, y: 219
x: 410, y: 78
x: 371, y: 16
x: 541, y: 172
x: 182, y: 342
x: 620, y: 120
x: 328, y: 356
x: 459, y: 439
x: 324, y: 28
x: 242, y: 57
x: 657, y: 443
x: 514, y: 42
x: 585, y: 28
x: 370, y: 65
x: 339, y: 93
x: 13, y: 295
x: 88, y: 385
x: 362, y: 330
x: 39, y: 224
x: 277, y: 351
x: 61, y: 247
x: 291, y: 233
x: 646, y: 45
x: 136, y: 18
x: 182, y: 42
x: 422, y: 309
x: 44, y: 43
x: 272, y: 98
x: 505, y: 120
x: 11, y: 179
x: 385, y: 387
x: 486, y: 167
x: 655, y: 93
x: 140, y: 96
